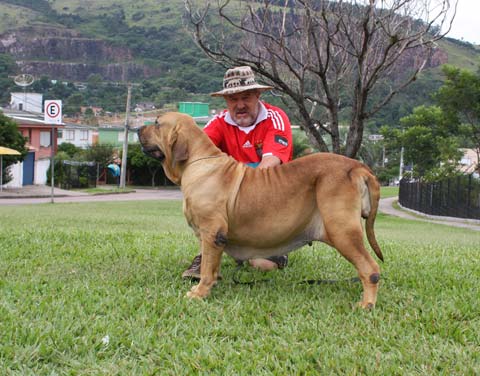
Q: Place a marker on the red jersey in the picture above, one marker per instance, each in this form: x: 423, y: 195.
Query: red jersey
x: 269, y: 135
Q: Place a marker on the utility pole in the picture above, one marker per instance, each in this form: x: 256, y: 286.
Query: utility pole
x: 123, y: 170
x: 400, y: 174
x: 52, y: 163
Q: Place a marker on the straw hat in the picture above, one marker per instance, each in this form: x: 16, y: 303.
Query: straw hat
x: 239, y: 79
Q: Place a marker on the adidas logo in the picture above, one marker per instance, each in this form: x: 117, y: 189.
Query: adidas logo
x: 247, y: 145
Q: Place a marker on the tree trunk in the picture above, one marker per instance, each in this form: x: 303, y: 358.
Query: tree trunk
x: 330, y: 54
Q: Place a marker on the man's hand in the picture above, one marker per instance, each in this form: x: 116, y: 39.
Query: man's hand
x: 269, y: 161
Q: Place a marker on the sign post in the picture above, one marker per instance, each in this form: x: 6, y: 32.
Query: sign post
x: 52, y: 115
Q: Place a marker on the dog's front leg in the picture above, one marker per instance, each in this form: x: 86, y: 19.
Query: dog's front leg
x: 212, y: 249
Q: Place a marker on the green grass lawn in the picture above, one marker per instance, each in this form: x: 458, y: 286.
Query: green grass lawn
x: 106, y: 191
x: 386, y: 192
x: 95, y: 289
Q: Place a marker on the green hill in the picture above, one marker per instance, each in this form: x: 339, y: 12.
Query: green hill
x: 145, y: 40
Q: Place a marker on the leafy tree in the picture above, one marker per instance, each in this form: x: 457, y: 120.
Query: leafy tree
x: 139, y: 161
x: 109, y: 96
x: 68, y: 148
x: 10, y: 137
x: 94, y: 82
x: 429, y: 141
x: 89, y: 117
x: 382, y: 158
x: 7, y: 64
x: 460, y: 98
x: 169, y: 96
x: 73, y: 104
x: 301, y: 145
x: 100, y: 153
x: 7, y: 68
x: 37, y: 5
x: 42, y: 85
x: 60, y: 90
x: 60, y: 170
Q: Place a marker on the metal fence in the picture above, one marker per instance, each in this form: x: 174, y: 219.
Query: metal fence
x: 75, y: 174
x: 456, y: 197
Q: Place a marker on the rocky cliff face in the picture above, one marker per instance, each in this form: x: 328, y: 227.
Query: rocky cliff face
x: 64, y: 54
x: 412, y: 58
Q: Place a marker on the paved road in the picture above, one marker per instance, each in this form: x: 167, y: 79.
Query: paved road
x: 42, y: 194
x: 386, y: 207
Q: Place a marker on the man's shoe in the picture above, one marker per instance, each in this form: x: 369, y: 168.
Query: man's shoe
x: 281, y: 261
x: 193, y: 271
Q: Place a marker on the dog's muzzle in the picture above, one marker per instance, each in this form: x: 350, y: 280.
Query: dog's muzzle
x: 153, y: 152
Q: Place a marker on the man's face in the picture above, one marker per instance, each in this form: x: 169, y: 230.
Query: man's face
x: 243, y: 107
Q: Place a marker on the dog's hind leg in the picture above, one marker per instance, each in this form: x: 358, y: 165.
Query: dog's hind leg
x: 347, y: 238
x: 341, y: 215
x: 344, y: 232
x: 212, y: 244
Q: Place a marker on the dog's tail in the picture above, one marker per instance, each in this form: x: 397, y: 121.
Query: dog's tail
x: 373, y: 188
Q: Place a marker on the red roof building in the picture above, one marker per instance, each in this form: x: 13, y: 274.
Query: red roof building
x: 33, y: 170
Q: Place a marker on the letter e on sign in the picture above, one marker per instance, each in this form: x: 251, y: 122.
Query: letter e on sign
x: 53, y: 112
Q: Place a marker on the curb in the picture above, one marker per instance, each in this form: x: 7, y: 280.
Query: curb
x: 409, y: 214
x: 33, y: 196
x: 438, y: 217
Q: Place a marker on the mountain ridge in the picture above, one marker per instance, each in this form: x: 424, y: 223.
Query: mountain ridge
x: 146, y: 42
x: 119, y: 40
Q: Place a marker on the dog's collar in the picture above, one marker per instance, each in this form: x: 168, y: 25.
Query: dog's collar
x: 203, y: 158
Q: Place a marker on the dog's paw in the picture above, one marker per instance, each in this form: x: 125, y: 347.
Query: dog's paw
x: 366, y: 305
x: 194, y: 293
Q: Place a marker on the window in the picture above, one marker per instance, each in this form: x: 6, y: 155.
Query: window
x: 69, y: 134
x: 45, y: 139
x: 60, y: 134
x: 84, y: 135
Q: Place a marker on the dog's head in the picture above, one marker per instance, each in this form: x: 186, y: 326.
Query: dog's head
x: 167, y: 142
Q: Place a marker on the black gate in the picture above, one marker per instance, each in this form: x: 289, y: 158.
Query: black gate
x: 456, y: 197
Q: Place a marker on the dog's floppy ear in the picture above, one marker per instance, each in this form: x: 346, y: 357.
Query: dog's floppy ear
x: 178, y: 146
x: 180, y: 151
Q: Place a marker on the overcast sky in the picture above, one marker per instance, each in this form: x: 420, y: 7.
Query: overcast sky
x: 466, y: 25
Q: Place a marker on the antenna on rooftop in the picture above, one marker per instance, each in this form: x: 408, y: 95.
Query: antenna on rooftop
x: 23, y: 80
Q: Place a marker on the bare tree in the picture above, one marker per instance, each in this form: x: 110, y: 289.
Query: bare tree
x: 329, y: 59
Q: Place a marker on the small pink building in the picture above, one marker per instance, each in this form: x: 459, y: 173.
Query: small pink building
x: 33, y: 169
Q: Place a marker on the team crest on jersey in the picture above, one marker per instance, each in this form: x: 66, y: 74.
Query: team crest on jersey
x: 259, y: 148
x: 281, y: 140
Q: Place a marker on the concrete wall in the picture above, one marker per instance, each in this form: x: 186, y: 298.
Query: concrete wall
x: 40, y: 173
x: 16, y: 172
x: 41, y: 168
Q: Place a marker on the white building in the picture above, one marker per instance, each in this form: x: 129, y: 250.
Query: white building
x: 81, y: 136
x: 469, y: 163
x: 28, y: 102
